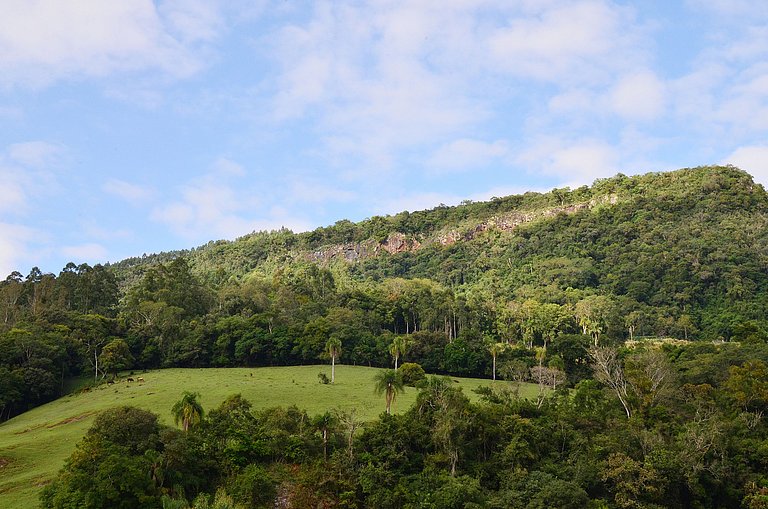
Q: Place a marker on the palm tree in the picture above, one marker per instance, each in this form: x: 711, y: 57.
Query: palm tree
x: 333, y: 346
x: 399, y: 347
x: 188, y: 410
x: 389, y: 382
x: 325, y: 424
x: 495, y: 349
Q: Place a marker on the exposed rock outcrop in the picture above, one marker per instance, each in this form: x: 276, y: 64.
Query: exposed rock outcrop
x: 400, y: 243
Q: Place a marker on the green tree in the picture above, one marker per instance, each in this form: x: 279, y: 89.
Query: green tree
x: 495, y: 349
x: 398, y: 348
x: 389, y: 382
x: 748, y: 385
x: 113, y: 467
x: 116, y: 356
x: 325, y: 423
x: 188, y: 411
x: 333, y: 347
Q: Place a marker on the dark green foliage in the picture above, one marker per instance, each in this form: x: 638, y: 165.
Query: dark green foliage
x: 686, y: 445
x: 412, y: 373
x: 539, y: 490
x: 252, y: 487
x: 113, y: 466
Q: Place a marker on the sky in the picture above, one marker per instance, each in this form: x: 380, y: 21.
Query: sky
x: 132, y: 126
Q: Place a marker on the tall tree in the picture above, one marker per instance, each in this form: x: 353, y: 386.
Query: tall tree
x: 609, y: 370
x: 333, y: 347
x: 116, y: 356
x: 398, y: 348
x: 495, y: 349
x: 325, y: 424
x: 188, y: 411
x: 389, y: 382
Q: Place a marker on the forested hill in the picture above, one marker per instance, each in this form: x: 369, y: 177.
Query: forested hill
x: 689, y: 242
x: 679, y: 254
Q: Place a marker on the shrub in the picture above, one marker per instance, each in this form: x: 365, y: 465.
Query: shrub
x: 412, y: 373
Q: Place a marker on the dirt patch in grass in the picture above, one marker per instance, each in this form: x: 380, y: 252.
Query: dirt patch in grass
x: 70, y: 420
x: 27, y: 430
x: 4, y: 462
x: 41, y: 482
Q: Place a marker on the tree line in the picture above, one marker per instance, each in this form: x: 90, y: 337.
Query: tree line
x: 671, y: 427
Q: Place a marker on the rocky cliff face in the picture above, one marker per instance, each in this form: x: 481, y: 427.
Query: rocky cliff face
x: 399, y: 243
x: 354, y: 251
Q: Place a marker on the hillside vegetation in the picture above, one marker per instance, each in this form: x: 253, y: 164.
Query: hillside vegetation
x: 34, y: 446
x: 680, y: 254
x: 636, y: 306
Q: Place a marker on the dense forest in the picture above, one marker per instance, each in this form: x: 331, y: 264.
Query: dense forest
x: 568, y: 289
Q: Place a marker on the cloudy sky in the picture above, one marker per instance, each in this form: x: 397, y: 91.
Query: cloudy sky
x: 133, y: 126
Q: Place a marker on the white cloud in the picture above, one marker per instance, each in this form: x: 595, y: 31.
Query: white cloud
x: 48, y: 40
x: 129, y: 192
x: 752, y: 159
x: 576, y: 162
x: 229, y: 167
x: 304, y: 190
x: 639, y: 96
x: 85, y: 253
x: 566, y: 42
x: 25, y: 171
x: 12, y: 195
x: 467, y: 153
x: 193, y: 20
x: 576, y: 101
x: 376, y: 79
x: 206, y: 205
x: 36, y: 154
x: 379, y: 81
x: 14, y: 247
x: 218, y: 205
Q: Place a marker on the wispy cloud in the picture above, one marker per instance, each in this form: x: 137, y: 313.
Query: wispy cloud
x: 132, y: 193
x: 465, y: 153
x: 15, y: 241
x: 378, y: 81
x: 217, y: 204
x: 23, y: 168
x: 752, y: 159
x: 639, y: 96
x: 566, y: 42
x: 88, y: 253
x: 574, y: 162
x: 37, y: 154
x: 49, y: 40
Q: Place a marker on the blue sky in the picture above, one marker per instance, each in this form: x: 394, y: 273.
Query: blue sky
x: 133, y: 126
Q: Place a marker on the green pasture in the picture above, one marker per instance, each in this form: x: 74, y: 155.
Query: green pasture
x: 34, y: 445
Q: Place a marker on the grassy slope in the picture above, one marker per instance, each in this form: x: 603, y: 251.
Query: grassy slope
x: 34, y: 445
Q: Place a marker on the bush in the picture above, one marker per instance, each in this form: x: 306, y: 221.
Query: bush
x: 252, y: 487
x: 412, y: 373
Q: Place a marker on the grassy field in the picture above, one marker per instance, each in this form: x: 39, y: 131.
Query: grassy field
x: 34, y: 445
